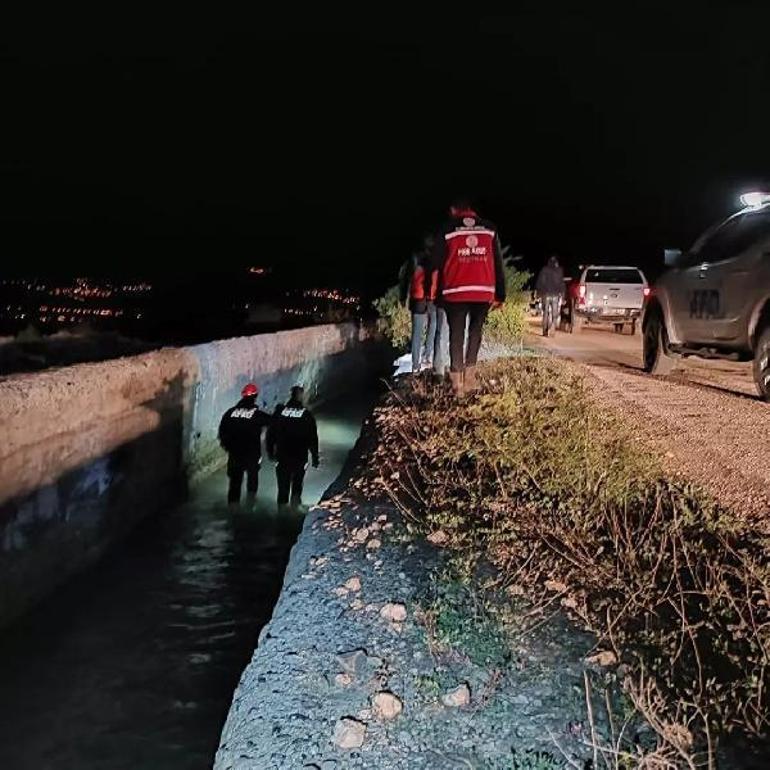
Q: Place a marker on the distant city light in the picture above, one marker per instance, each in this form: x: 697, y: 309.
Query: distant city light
x: 73, y: 301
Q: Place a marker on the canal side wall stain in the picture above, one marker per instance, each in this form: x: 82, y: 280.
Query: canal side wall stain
x: 89, y: 450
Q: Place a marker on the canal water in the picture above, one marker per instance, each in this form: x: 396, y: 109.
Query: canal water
x: 133, y: 664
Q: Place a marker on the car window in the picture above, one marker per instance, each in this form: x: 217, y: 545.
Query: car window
x: 613, y: 275
x: 733, y: 238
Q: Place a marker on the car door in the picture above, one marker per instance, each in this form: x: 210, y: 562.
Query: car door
x: 697, y: 297
x: 732, y: 276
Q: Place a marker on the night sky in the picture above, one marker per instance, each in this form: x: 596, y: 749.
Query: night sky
x: 325, y: 143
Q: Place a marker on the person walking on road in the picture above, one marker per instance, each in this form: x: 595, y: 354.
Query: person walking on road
x: 240, y: 434
x: 417, y: 288
x: 550, y: 289
x: 292, y: 435
x: 468, y: 258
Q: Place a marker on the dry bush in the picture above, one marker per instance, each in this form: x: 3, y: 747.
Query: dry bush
x: 532, y: 478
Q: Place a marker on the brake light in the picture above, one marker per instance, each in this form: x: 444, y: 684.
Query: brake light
x: 582, y: 294
x: 646, y: 291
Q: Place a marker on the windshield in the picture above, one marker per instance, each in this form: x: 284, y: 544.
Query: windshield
x: 613, y: 275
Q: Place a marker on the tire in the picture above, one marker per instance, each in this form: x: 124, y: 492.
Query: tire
x: 655, y: 357
x: 618, y: 328
x: 762, y: 364
x: 633, y: 328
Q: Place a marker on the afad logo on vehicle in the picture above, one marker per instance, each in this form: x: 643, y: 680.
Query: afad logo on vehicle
x: 472, y: 248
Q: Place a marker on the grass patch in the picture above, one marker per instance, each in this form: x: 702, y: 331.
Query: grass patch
x: 540, y: 494
x: 459, y: 620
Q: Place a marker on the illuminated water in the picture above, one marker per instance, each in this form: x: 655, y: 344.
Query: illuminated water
x: 133, y: 664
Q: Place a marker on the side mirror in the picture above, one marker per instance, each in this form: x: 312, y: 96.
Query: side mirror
x: 672, y: 257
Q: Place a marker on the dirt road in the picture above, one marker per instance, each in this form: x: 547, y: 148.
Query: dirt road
x: 705, y: 420
x: 600, y: 346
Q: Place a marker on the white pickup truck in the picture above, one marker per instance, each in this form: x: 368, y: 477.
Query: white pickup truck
x: 609, y: 294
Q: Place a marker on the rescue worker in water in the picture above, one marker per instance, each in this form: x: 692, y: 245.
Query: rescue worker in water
x: 292, y: 435
x: 240, y: 434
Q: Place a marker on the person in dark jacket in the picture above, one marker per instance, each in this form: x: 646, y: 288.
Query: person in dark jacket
x: 417, y: 289
x: 240, y: 434
x: 291, y: 437
x: 468, y: 258
x: 550, y: 289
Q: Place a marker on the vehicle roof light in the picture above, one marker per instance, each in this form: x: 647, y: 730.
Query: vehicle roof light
x: 754, y: 200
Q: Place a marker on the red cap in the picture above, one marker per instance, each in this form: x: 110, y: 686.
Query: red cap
x: 249, y: 390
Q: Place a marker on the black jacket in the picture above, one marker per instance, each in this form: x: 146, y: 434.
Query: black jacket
x: 240, y: 430
x: 292, y: 434
x: 550, y: 280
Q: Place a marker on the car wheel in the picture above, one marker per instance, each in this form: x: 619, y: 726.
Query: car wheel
x: 655, y: 357
x: 633, y: 328
x: 618, y: 328
x: 762, y: 364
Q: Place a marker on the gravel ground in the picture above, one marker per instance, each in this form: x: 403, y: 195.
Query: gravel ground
x: 330, y: 649
x: 705, y: 420
x: 717, y: 439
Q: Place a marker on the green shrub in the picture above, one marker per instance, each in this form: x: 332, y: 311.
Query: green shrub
x: 395, y: 320
x: 505, y: 326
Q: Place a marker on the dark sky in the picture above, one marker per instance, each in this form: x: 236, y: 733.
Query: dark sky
x: 327, y: 142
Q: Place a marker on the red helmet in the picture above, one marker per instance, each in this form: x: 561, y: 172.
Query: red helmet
x: 249, y: 390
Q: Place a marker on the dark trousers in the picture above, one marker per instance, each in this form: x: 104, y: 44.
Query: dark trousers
x: 457, y: 313
x: 291, y: 477
x: 236, y: 467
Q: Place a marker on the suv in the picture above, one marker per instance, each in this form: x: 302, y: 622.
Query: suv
x: 610, y: 295
x: 715, y: 301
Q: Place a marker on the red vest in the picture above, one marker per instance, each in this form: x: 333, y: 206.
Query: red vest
x: 469, y: 264
x: 417, y: 289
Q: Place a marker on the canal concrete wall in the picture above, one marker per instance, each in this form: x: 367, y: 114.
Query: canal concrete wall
x: 89, y: 450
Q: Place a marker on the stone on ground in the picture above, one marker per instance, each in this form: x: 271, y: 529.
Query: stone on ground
x: 353, y: 585
x: 349, y: 733
x: 387, y: 706
x: 393, y: 612
x: 457, y: 698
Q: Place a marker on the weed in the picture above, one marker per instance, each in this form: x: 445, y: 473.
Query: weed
x: 429, y: 685
x: 460, y: 621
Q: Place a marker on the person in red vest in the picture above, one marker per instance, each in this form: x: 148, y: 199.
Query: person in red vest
x: 418, y: 286
x: 468, y: 259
